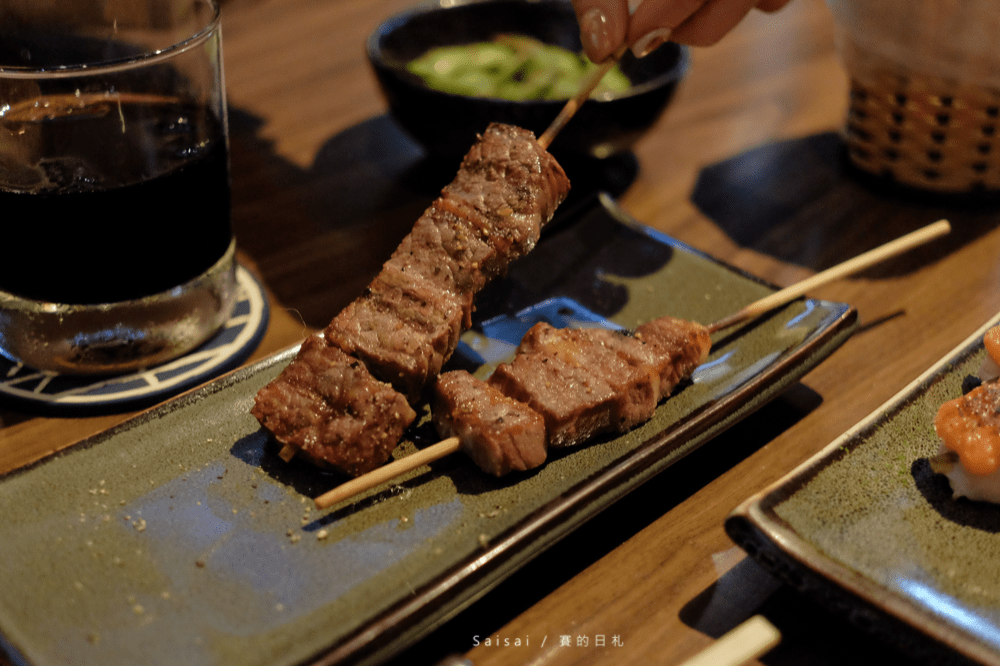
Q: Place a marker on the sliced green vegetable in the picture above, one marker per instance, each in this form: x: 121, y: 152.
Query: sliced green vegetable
x: 512, y: 67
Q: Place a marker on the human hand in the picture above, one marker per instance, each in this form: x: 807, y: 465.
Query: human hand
x: 605, y: 24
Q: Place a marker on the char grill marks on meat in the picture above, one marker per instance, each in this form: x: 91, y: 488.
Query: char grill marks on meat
x: 328, y: 406
x: 403, y: 327
x: 581, y: 382
x: 554, y: 372
x: 500, y: 434
x: 406, y: 324
x: 589, y: 381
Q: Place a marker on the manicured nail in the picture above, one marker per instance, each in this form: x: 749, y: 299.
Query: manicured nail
x: 595, y: 31
x: 650, y: 42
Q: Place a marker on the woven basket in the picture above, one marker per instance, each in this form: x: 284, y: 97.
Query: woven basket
x: 930, y: 131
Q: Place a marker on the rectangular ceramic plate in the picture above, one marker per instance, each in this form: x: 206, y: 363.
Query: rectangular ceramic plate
x: 867, y: 528
x: 180, y: 537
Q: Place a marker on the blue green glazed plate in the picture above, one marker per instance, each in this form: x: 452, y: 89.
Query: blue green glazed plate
x: 181, y: 537
x: 868, y: 529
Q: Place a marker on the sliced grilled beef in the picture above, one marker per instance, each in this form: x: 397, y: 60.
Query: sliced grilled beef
x: 563, y: 375
x: 328, y: 406
x: 589, y: 381
x: 500, y: 434
x: 680, y: 345
x: 404, y: 328
x: 406, y: 324
x: 444, y: 249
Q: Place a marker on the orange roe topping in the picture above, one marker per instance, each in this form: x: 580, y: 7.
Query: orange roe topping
x: 992, y: 343
x: 968, y: 426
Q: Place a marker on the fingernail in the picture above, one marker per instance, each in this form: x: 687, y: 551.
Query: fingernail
x: 650, y: 42
x: 596, y: 32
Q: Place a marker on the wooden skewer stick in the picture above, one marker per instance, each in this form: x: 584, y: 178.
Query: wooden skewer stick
x: 452, y: 444
x: 388, y: 472
x: 870, y: 258
x: 748, y: 641
x: 545, y: 140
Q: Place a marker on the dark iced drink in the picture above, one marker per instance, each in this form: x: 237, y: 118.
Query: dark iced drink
x: 101, y: 229
x: 114, y: 186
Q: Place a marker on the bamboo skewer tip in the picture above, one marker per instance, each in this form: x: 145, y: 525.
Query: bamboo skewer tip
x: 843, y: 269
x: 388, y: 472
x: 749, y: 640
x: 574, y: 104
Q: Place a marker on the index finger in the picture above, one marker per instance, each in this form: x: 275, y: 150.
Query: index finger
x: 603, y: 26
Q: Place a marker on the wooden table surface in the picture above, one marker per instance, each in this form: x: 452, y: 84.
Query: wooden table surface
x: 744, y: 165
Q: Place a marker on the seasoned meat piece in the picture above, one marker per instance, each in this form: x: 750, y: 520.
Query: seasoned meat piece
x: 499, y: 433
x: 330, y: 408
x: 600, y: 352
x: 509, y: 236
x: 506, y: 190
x: 680, y: 345
x: 645, y: 385
x: 444, y: 249
x: 636, y: 381
x: 507, y: 170
x: 575, y: 401
x: 588, y: 381
x: 404, y: 328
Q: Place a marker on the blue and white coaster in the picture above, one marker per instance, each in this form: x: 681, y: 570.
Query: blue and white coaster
x: 54, y: 392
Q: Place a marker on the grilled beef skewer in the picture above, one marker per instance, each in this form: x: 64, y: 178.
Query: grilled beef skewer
x: 497, y: 457
x: 585, y: 382
x: 503, y: 434
x: 388, y: 346
x: 579, y: 382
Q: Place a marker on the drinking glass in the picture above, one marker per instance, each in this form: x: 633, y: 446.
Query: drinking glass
x: 118, y: 250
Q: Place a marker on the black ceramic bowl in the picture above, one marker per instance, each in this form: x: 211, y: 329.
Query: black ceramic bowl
x: 447, y: 124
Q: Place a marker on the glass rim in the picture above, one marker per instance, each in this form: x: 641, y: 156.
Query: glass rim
x: 119, y: 64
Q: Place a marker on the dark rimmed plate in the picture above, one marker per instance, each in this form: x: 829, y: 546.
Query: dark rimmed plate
x: 181, y: 537
x: 866, y: 528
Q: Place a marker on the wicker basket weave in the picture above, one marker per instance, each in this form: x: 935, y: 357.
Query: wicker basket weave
x: 930, y: 131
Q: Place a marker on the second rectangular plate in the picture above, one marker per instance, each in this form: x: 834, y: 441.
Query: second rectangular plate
x: 869, y: 530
